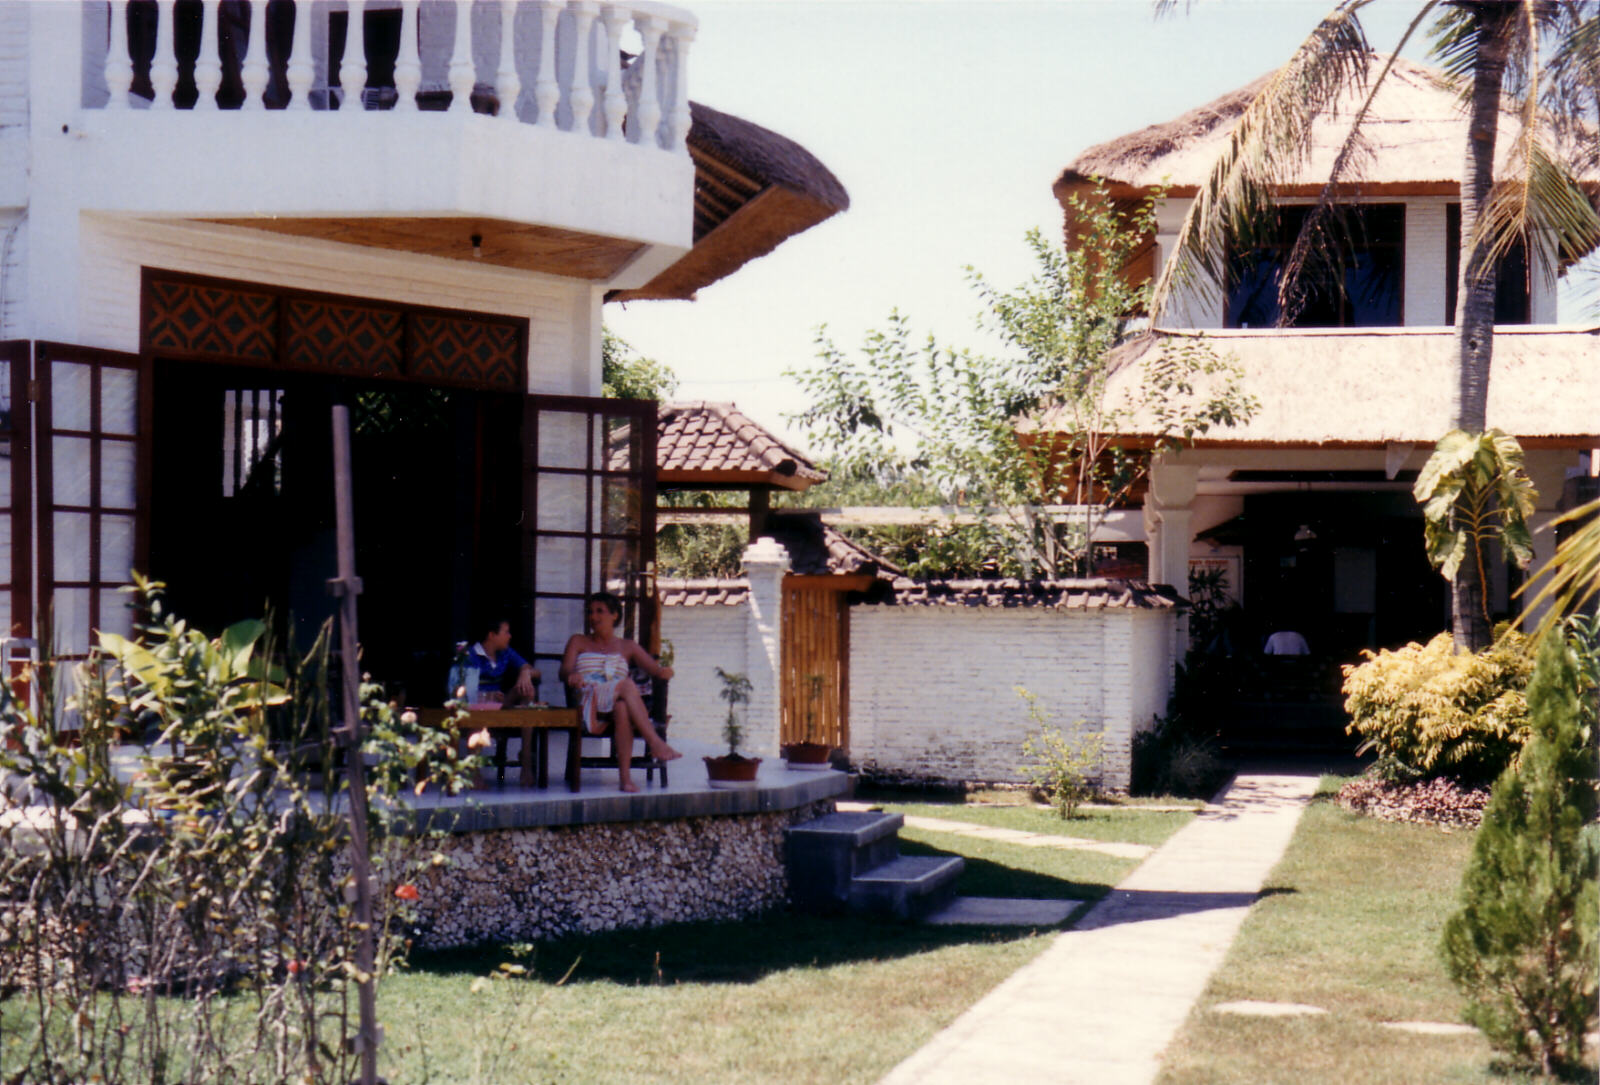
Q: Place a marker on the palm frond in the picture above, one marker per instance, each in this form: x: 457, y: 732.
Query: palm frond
x: 1572, y: 577
x: 1325, y: 235
x: 1269, y: 144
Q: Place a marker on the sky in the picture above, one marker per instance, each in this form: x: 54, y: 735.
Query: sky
x: 946, y: 121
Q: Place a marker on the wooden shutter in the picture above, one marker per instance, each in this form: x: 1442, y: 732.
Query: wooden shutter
x: 92, y: 490
x: 589, y: 513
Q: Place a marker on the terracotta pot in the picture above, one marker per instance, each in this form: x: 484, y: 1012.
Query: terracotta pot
x: 734, y: 769
x: 807, y: 753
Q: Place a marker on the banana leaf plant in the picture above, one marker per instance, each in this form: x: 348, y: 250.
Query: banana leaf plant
x: 1474, y: 491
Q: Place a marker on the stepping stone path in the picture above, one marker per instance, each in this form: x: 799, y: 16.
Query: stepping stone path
x: 1431, y: 1028
x: 1251, y: 1008
x: 1016, y: 836
x: 1003, y: 912
x: 1100, y: 1002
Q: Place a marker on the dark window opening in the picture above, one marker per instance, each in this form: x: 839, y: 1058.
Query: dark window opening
x: 1512, y: 302
x: 1357, y: 284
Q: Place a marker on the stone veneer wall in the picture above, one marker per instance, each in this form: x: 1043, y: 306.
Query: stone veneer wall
x: 530, y: 884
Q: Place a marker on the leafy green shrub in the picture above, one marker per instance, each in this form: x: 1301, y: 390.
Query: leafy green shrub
x: 1524, y: 946
x: 1429, y: 711
x: 191, y: 921
x: 1064, y: 764
x: 1180, y: 755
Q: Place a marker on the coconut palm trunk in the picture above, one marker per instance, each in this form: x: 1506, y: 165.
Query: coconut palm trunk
x: 1495, y: 23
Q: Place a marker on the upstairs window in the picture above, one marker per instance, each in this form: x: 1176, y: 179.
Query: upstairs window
x: 1511, y: 293
x: 1356, y: 285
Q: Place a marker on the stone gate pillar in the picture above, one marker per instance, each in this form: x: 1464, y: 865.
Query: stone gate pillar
x: 765, y: 563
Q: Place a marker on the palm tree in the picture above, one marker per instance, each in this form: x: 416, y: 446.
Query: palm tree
x: 1543, y: 53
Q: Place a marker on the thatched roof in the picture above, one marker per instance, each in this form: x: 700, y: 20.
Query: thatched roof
x: 1416, y: 132
x: 1364, y: 387
x: 754, y: 189
x: 703, y: 445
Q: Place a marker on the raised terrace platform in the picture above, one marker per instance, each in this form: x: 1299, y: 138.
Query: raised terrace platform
x: 525, y: 863
x: 598, y: 801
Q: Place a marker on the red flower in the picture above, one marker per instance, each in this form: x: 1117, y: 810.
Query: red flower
x: 406, y: 891
x: 295, y: 967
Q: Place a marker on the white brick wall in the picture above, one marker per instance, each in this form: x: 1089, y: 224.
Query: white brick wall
x: 703, y: 638
x: 13, y: 104
x: 933, y: 689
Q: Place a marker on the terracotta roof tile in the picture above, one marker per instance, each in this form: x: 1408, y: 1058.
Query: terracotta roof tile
x: 1099, y: 594
x: 703, y: 436
x: 703, y: 592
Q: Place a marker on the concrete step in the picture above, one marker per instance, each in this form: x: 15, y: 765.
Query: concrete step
x: 906, y: 887
x: 824, y: 854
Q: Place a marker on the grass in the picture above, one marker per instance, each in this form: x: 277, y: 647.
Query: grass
x: 778, y: 998
x: 781, y: 998
x: 1353, y: 928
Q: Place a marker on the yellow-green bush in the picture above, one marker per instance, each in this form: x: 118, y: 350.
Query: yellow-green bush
x: 1430, y: 711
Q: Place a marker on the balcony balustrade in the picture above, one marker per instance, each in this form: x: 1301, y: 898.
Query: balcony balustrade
x: 552, y: 64
x: 541, y: 135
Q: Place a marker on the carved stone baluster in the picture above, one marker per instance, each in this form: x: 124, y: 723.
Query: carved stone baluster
x: 119, y: 64
x: 616, y: 102
x: 302, y: 70
x: 353, y: 65
x: 164, y: 65
x: 682, y: 38
x: 408, y: 66
x: 253, y: 72
x: 546, y: 91
x: 647, y: 118
x: 581, y: 95
x: 208, y: 64
x: 507, y: 83
x: 462, y: 73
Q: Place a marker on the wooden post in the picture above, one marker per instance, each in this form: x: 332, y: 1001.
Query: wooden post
x: 345, y: 587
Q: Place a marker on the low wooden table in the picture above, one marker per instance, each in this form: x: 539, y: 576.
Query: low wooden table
x: 534, y: 725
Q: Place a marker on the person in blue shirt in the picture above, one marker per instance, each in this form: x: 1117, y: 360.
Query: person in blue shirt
x: 502, y: 673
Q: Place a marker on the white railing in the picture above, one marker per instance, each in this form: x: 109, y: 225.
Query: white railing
x: 569, y: 65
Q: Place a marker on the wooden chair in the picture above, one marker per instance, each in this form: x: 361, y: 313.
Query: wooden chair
x: 654, y: 694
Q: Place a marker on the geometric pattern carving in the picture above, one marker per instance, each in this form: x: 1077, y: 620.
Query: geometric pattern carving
x: 463, y: 349
x: 202, y: 319
x: 342, y: 337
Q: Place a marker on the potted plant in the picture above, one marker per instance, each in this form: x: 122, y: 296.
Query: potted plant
x: 812, y: 753
x: 733, y: 770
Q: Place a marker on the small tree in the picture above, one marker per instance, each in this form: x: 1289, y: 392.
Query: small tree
x: 1065, y: 765
x: 736, y: 690
x: 963, y: 414
x: 627, y: 374
x: 1524, y: 944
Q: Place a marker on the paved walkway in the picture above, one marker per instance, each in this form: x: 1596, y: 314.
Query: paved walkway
x: 1102, y: 1002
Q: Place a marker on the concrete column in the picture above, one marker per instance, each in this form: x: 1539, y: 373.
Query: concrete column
x: 1542, y: 526
x: 765, y: 563
x: 1171, y: 498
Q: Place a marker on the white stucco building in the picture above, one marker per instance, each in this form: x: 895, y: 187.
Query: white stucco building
x: 1307, y: 506
x: 217, y: 220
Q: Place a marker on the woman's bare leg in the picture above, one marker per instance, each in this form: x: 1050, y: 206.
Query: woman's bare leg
x: 622, y: 729
x: 628, y: 693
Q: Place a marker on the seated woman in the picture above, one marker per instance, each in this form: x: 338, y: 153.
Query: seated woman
x: 595, y: 666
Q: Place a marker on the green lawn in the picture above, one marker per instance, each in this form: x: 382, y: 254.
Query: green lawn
x: 1350, y: 923
x: 784, y: 998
